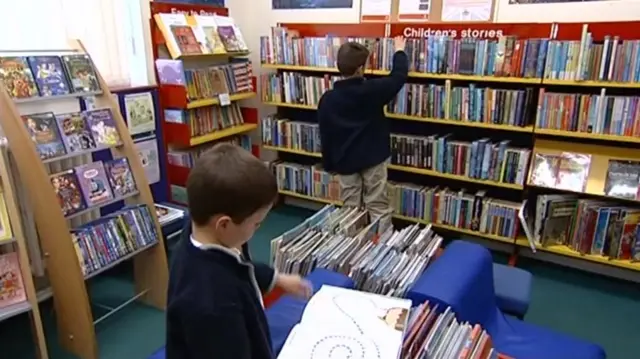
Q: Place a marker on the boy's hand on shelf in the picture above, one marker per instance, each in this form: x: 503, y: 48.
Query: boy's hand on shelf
x: 399, y: 42
x: 294, y: 285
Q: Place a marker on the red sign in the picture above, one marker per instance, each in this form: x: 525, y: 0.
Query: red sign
x: 471, y: 30
x: 187, y: 9
x: 340, y: 30
x: 625, y: 30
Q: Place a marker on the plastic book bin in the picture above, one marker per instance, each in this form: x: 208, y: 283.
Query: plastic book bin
x: 513, y: 289
x: 286, y: 312
x: 463, y: 279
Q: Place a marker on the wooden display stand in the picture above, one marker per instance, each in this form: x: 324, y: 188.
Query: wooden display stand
x: 74, y: 318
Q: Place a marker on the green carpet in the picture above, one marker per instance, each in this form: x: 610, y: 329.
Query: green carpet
x: 595, y: 308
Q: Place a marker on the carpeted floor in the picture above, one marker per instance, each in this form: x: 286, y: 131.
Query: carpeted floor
x: 588, y: 306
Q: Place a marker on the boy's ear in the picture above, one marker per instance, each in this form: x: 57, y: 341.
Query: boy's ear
x: 221, y: 222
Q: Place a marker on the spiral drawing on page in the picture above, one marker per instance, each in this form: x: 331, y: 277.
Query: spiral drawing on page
x: 344, y: 347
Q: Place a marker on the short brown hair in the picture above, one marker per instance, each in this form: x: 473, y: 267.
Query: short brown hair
x: 351, y: 56
x: 229, y: 180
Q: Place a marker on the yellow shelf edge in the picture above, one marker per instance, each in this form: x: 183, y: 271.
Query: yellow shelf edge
x: 426, y: 172
x: 459, y: 123
x: 591, y: 136
x: 197, y: 56
x: 589, y: 83
x: 215, y: 101
x: 568, y: 252
x: 290, y: 105
x: 234, y: 130
x: 291, y: 150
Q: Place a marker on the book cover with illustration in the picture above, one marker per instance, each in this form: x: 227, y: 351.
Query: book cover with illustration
x: 11, y: 285
x: 140, y: 112
x: 75, y: 132
x: 5, y: 224
x: 103, y: 127
x: 186, y: 40
x: 17, y: 77
x: 170, y: 72
x: 44, y: 132
x: 628, y: 237
x: 49, y: 75
x: 622, y: 179
x: 120, y: 177
x: 68, y: 191
x: 229, y: 39
x: 150, y: 159
x: 94, y: 183
x: 545, y: 170
x: 174, y: 116
x: 573, y: 171
x: 208, y: 33
x: 81, y: 72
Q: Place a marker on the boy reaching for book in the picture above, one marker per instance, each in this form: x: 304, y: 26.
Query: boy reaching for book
x: 354, y: 131
x: 215, y: 307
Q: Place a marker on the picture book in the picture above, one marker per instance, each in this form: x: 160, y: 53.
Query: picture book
x: 622, y: 179
x: 140, y: 112
x: 81, y: 72
x: 94, y: 183
x: 573, y: 171
x: 174, y: 116
x: 167, y: 214
x: 120, y: 177
x: 230, y: 34
x: 75, y: 132
x: 103, y: 127
x: 17, y: 77
x: 364, y: 324
x: 5, y: 224
x: 148, y: 154
x: 627, y: 240
x: 170, y: 72
x: 67, y: 189
x: 44, y: 132
x: 186, y: 40
x: 208, y: 33
x: 49, y: 75
x: 11, y: 286
x: 545, y: 170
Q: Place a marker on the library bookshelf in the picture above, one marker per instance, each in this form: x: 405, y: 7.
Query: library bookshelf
x: 601, y: 146
x: 175, y: 97
x: 75, y: 321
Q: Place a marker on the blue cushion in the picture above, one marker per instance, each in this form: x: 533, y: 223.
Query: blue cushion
x: 286, y: 312
x: 513, y: 289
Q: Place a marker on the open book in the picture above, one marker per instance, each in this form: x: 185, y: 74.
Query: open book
x: 344, y: 323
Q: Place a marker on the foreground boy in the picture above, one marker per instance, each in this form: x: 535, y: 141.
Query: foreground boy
x: 215, y: 308
x: 354, y: 131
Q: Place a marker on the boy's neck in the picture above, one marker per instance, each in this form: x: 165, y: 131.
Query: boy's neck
x: 204, y: 236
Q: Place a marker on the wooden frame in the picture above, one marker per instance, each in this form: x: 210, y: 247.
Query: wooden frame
x: 74, y: 318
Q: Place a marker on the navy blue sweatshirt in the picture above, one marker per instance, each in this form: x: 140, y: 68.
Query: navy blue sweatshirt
x: 353, y: 129
x: 215, y: 306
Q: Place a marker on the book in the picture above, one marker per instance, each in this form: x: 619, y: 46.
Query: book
x: 75, y: 132
x: 623, y: 178
x: 5, y: 224
x: 178, y: 34
x: 209, y: 33
x: 186, y: 40
x: 294, y: 87
x: 150, y: 159
x: 11, y: 286
x: 120, y: 177
x: 209, y: 82
x: 17, y: 77
x: 140, y: 112
x: 205, y: 120
x: 573, y: 171
x: 167, y: 214
x: 310, y: 181
x: 545, y: 170
x: 94, y: 183
x: 230, y: 34
x: 44, y: 132
x: 67, y: 189
x: 103, y: 127
x: 82, y: 73
x: 170, y: 72
x: 174, y: 116
x: 49, y: 75
x: 297, y: 135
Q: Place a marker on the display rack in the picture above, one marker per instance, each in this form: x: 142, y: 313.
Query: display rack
x: 20, y: 246
x: 529, y: 136
x: 75, y: 320
x: 178, y: 135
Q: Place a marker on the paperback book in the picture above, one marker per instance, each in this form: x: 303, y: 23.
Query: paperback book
x: 170, y: 72
x: 208, y: 31
x: 67, y: 189
x: 17, y: 77
x: 49, y: 75
x: 11, y: 285
x: 140, y: 112
x: 622, y: 179
x: 103, y: 127
x: 5, y: 225
x: 94, y: 183
x: 44, y: 132
x: 75, y: 132
x: 82, y: 73
x: 120, y: 177
x: 167, y: 214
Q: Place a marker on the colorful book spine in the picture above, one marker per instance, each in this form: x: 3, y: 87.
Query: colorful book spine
x: 295, y: 135
x: 310, y: 181
x: 205, y: 120
x: 206, y: 83
x: 187, y: 158
x: 295, y: 88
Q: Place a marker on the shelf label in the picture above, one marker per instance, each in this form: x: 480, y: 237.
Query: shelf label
x: 224, y: 98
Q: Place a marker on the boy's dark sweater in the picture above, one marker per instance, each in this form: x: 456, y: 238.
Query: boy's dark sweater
x: 214, y: 309
x: 353, y: 130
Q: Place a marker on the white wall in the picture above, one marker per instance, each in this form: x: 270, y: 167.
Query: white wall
x: 590, y: 11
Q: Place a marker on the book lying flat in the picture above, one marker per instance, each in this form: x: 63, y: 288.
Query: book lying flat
x: 345, y: 323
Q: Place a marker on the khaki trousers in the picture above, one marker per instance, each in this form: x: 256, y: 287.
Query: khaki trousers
x: 368, y: 189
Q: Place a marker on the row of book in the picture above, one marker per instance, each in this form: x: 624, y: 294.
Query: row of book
x: 506, y: 56
x: 467, y: 104
x: 44, y: 76
x: 587, y: 226
x: 205, y: 120
x: 187, y: 158
x: 458, y: 209
x: 206, y: 83
x: 601, y: 114
x: 92, y: 184
x: 379, y: 260
x: 61, y: 134
x: 310, y: 181
x: 293, y: 87
x: 200, y: 34
x: 295, y: 135
x: 480, y: 159
x: 103, y: 242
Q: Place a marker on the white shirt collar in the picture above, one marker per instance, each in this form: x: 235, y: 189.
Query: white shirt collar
x: 207, y: 246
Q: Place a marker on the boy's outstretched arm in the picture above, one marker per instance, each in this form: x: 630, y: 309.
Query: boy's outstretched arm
x: 384, y: 89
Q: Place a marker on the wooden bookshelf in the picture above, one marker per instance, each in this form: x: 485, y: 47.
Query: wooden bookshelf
x: 227, y: 132
x: 586, y: 135
x: 291, y: 150
x: 216, y: 101
x: 586, y: 83
x: 493, y: 126
x: 290, y: 105
x: 75, y: 321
